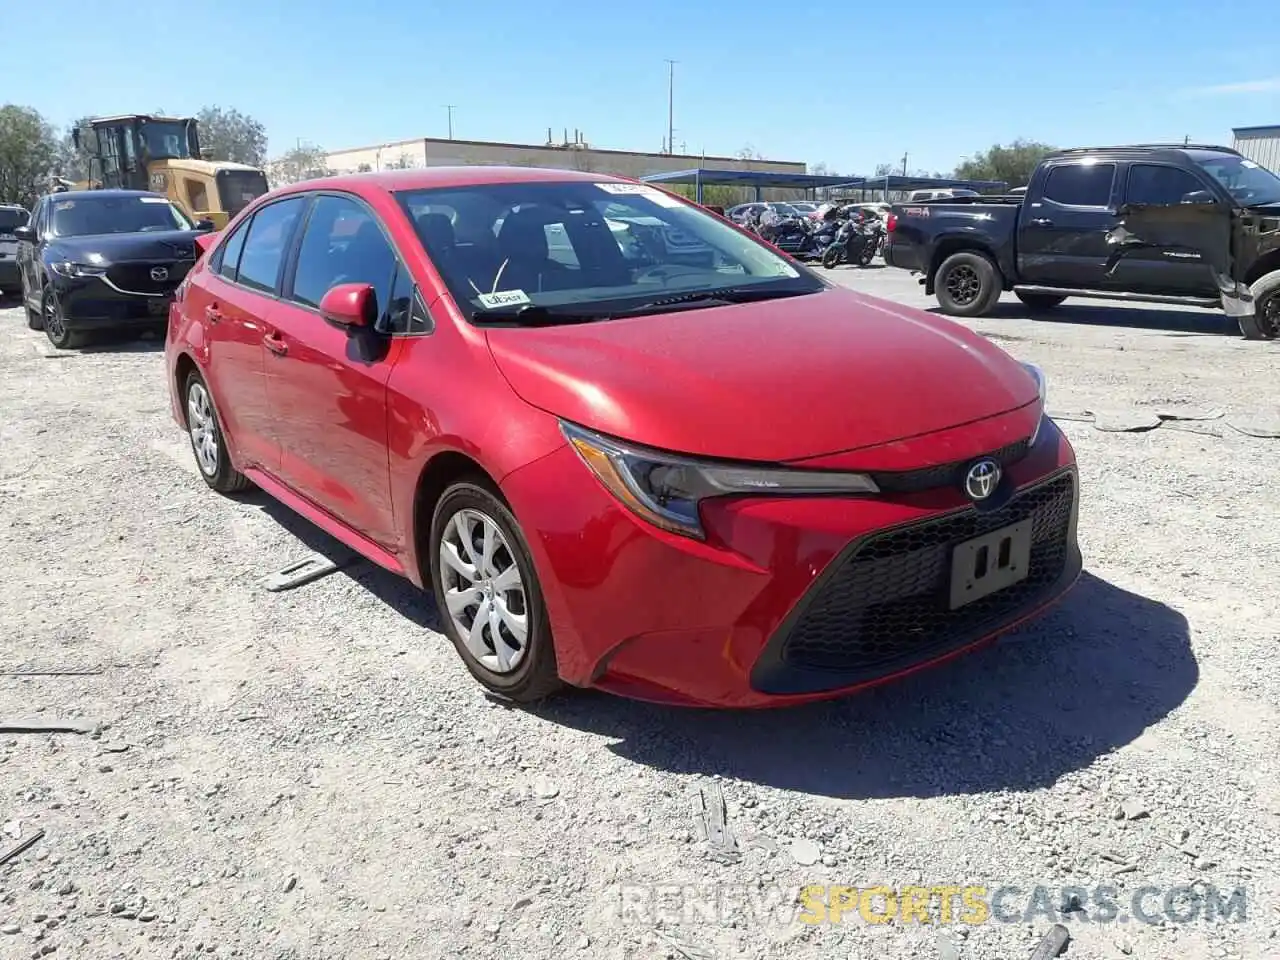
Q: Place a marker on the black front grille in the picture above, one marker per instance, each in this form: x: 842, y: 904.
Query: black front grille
x: 887, y: 604
x: 945, y: 474
x: 137, y: 278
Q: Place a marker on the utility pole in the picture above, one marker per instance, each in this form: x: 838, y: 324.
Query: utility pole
x: 671, y: 101
x: 904, y: 164
x: 1186, y: 140
x: 449, y: 107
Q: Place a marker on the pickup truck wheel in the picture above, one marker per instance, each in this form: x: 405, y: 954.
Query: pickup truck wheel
x: 1265, y: 322
x: 1040, y: 301
x: 968, y: 284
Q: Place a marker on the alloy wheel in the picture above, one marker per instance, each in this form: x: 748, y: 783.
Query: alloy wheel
x: 203, y: 428
x: 54, y: 327
x: 483, y: 591
x: 963, y: 284
x: 1269, y: 316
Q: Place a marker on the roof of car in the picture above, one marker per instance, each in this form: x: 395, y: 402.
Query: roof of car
x: 429, y: 177
x: 102, y: 194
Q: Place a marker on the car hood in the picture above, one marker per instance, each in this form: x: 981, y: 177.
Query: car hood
x: 777, y: 380
x: 116, y: 247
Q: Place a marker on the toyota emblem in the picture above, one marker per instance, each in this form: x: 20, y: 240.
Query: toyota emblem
x: 159, y: 274
x: 982, y: 479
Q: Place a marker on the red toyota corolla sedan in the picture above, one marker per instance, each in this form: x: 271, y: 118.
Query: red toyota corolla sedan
x: 625, y: 444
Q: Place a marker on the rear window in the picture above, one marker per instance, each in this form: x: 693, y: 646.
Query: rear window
x: 11, y: 218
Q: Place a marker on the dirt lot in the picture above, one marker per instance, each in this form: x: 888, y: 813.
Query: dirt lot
x: 312, y: 774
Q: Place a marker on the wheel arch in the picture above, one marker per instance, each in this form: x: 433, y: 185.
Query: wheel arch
x: 441, y: 471
x: 1262, y: 266
x: 182, y: 369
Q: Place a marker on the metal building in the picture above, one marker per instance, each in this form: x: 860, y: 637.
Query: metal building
x: 1259, y: 144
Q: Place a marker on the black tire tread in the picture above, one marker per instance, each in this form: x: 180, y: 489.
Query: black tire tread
x: 1264, y: 287
x: 991, y: 278
x: 228, y: 479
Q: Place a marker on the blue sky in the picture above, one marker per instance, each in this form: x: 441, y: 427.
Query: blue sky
x: 850, y: 84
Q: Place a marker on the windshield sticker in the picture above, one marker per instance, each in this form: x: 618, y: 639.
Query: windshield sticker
x: 660, y: 197
x: 64, y: 205
x: 503, y: 298
x: 1249, y: 163
x: 154, y: 199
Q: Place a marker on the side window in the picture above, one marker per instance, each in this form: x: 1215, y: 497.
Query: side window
x: 1080, y: 184
x: 342, y: 244
x: 268, y: 241
x: 1150, y: 183
x: 404, y: 313
x: 226, y: 260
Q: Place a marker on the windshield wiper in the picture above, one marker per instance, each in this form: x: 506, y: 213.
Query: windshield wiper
x: 722, y: 297
x: 534, y: 315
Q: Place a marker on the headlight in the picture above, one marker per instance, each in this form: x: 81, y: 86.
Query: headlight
x: 665, y: 489
x: 1041, y: 387
x: 69, y: 269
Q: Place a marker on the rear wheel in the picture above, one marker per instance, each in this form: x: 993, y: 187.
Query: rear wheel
x: 832, y: 256
x: 1265, y: 322
x: 1040, y: 301
x: 967, y: 284
x: 868, y: 254
x: 207, y: 442
x: 55, y: 324
x: 488, y: 595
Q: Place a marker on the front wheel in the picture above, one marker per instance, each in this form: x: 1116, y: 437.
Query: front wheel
x: 832, y: 256
x: 867, y: 255
x: 488, y: 595
x: 967, y: 284
x: 1040, y: 301
x: 55, y: 324
x: 1265, y: 322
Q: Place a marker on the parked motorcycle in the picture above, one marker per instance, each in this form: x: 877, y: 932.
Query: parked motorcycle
x: 855, y: 242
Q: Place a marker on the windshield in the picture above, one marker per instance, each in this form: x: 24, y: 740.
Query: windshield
x: 1248, y: 183
x: 83, y: 217
x: 587, y: 250
x: 165, y: 140
x: 238, y: 188
x: 11, y: 217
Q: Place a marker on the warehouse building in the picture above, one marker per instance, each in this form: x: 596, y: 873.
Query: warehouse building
x: 1259, y: 144
x: 569, y: 154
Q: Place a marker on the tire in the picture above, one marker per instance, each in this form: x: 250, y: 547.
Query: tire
x: 967, y: 284
x: 55, y: 327
x: 867, y: 255
x: 832, y: 256
x: 468, y: 510
x: 207, y: 442
x: 1265, y: 322
x: 34, y: 320
x: 1040, y: 301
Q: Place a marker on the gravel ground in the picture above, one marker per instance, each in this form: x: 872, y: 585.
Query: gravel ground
x: 312, y: 774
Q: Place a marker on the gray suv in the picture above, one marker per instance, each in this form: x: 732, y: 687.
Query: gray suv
x: 10, y: 277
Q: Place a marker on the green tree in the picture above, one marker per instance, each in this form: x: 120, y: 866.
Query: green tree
x: 1012, y: 163
x: 228, y: 134
x: 304, y: 162
x: 28, y: 153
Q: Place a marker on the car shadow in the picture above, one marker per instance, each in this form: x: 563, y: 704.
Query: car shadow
x: 1088, y: 677
x: 123, y: 342
x: 1102, y: 313
x: 393, y: 590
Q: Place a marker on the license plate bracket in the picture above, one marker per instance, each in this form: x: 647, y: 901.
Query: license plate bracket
x: 158, y: 308
x: 991, y: 562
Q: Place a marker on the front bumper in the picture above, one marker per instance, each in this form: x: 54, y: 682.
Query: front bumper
x: 119, y: 300
x: 789, y: 599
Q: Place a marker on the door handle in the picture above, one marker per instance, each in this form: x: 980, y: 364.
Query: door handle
x: 275, y: 344
x: 212, y: 314
x: 1042, y: 222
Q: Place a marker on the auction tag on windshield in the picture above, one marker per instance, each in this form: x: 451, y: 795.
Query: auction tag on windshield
x: 660, y: 197
x: 503, y: 298
x: 1249, y: 164
x: 154, y: 199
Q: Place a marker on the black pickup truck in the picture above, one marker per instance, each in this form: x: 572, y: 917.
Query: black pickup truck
x: 1156, y: 223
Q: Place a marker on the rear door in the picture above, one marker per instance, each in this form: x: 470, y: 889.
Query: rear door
x: 231, y: 300
x: 327, y: 384
x: 1173, y: 224
x: 1062, y: 234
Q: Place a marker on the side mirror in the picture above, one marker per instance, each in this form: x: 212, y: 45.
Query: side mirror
x: 206, y: 225
x: 26, y: 234
x: 352, y: 305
